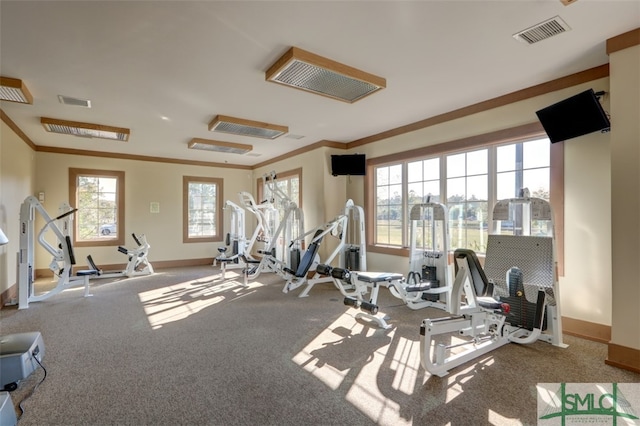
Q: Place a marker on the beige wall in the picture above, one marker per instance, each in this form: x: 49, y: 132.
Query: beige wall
x: 17, y: 175
x: 587, y: 282
x: 145, y: 182
x: 585, y: 288
x: 625, y: 196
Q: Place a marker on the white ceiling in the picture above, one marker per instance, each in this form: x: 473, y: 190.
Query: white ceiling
x: 165, y: 69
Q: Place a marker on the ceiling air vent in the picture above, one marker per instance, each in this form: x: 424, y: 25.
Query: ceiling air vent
x: 293, y: 136
x: 307, y: 71
x: 242, y: 127
x: 218, y: 146
x: 86, y: 130
x: 74, y: 101
x: 543, y: 30
x: 14, y: 90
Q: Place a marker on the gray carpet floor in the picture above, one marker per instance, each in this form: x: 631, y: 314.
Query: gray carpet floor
x: 182, y: 347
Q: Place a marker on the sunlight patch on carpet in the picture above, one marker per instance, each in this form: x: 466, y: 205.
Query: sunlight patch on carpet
x: 380, y: 404
x: 406, y: 364
x: 179, y: 301
x: 455, y: 381
x: 500, y: 420
x: 349, y: 348
x: 319, y: 356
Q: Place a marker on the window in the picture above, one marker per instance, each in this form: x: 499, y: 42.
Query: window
x: 202, y: 209
x: 467, y: 189
x: 99, y: 197
x: 389, y: 205
x: 468, y: 176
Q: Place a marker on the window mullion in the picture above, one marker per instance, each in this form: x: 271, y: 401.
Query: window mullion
x: 405, y: 204
x: 443, y: 179
x: 519, y: 167
x: 492, y: 181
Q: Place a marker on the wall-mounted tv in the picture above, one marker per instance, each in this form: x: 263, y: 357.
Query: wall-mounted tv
x: 575, y: 116
x: 354, y: 164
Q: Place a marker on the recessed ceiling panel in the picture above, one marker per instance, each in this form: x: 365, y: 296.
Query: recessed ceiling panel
x: 307, y: 71
x: 86, y: 130
x: 243, y: 127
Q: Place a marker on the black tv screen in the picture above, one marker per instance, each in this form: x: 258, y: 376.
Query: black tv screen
x: 575, y: 116
x: 354, y: 164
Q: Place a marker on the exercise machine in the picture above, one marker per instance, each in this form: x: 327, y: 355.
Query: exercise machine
x: 348, y: 227
x: 267, y: 220
x: 267, y: 225
x: 513, y: 299
x: 62, y: 252
x: 360, y: 290
x: 138, y: 263
x: 428, y: 282
x: 235, y: 239
x: 281, y: 235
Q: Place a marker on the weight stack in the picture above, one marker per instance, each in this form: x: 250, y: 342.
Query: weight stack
x: 294, y: 256
x: 523, y: 312
x: 429, y: 274
x: 352, y: 259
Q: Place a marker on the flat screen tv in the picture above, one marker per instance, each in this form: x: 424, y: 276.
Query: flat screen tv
x: 575, y: 116
x: 353, y: 164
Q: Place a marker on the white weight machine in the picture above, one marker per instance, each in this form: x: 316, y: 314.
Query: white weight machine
x: 513, y: 299
x: 348, y: 227
x: 63, y: 258
x: 267, y: 221
x: 360, y: 290
x: 428, y: 282
x: 274, y: 231
x: 138, y: 263
x: 235, y: 239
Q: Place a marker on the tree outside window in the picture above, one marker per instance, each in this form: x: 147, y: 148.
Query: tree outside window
x: 202, y: 209
x: 99, y: 197
x: 471, y: 181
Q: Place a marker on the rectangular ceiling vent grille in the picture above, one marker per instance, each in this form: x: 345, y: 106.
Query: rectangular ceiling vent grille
x: 325, y: 82
x: 14, y: 90
x: 242, y: 127
x: 218, y: 146
x: 74, y: 101
x: 544, y: 30
x: 307, y: 71
x: 294, y: 136
x: 85, y: 130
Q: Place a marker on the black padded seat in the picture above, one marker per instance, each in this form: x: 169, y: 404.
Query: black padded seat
x: 489, y: 303
x: 378, y: 277
x: 419, y: 287
x: 87, y: 272
x: 478, y: 278
x: 250, y: 260
x: 308, y: 257
x: 482, y: 286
